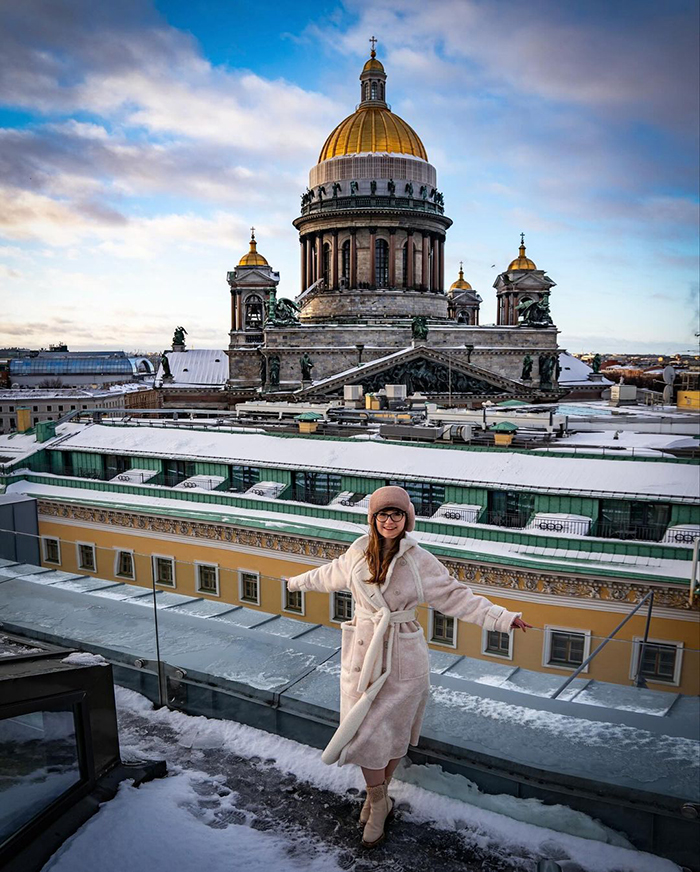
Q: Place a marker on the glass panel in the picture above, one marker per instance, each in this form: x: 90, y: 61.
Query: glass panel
x: 249, y: 587
x: 342, y: 606
x: 567, y: 649
x: 381, y: 271
x: 497, y: 643
x: 443, y: 628
x: 38, y: 763
x: 292, y: 600
x: 243, y: 477
x: 659, y: 661
x: 426, y: 497
x: 509, y: 508
x: 86, y: 557
x: 315, y: 487
x: 207, y: 578
x: 125, y: 564
x: 164, y: 571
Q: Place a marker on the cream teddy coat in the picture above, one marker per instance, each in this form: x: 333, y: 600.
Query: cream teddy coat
x: 385, y: 672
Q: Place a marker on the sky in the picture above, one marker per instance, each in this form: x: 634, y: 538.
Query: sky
x: 140, y: 141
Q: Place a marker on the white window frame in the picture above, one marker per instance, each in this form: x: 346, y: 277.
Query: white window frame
x: 241, y: 573
x: 485, y: 642
x: 55, y: 539
x: 547, y: 647
x: 117, y: 574
x: 94, y: 556
x: 154, y: 573
x: 332, y: 609
x: 284, y: 608
x: 431, y: 630
x: 637, y: 650
x: 197, y: 566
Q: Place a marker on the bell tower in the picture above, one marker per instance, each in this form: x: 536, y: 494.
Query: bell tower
x: 521, y: 281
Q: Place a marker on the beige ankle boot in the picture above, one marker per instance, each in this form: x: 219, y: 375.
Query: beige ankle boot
x: 364, y: 811
x: 380, y: 807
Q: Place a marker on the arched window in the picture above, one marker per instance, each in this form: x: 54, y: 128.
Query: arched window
x: 381, y: 263
x: 253, y: 313
x: 374, y: 90
x: 345, y: 260
x: 326, y: 264
x: 381, y: 90
x: 365, y: 91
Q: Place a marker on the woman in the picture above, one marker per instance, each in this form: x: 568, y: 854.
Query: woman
x: 384, y: 681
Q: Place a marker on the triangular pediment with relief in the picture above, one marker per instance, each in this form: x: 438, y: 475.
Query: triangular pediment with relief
x: 256, y: 278
x: 423, y: 370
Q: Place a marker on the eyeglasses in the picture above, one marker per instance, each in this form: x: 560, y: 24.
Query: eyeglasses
x: 395, y: 516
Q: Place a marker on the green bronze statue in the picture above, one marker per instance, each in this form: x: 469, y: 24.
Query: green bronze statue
x: 419, y: 327
x: 306, y: 366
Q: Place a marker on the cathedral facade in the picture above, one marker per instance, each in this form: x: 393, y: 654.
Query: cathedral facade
x: 373, y: 306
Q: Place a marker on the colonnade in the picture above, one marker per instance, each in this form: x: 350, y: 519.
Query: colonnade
x: 430, y: 245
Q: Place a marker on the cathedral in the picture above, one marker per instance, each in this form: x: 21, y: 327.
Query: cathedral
x: 373, y: 306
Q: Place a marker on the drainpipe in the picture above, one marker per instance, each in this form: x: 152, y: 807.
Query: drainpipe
x: 694, y: 571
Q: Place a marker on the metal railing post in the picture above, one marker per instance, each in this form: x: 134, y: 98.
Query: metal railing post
x: 605, y: 641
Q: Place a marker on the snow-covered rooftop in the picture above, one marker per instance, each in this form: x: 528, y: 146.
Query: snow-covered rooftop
x: 201, y: 367
x: 505, y: 469
x: 576, y: 372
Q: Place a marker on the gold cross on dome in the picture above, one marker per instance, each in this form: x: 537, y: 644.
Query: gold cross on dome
x: 252, y: 232
x: 374, y: 42
x: 522, y: 239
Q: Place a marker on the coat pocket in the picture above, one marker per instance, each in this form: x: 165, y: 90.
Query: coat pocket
x: 347, y: 648
x: 412, y: 655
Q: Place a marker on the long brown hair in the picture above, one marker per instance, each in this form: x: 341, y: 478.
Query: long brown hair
x: 377, y: 562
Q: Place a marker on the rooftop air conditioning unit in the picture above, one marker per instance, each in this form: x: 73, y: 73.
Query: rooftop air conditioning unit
x: 269, y: 489
x: 682, y: 534
x: 457, y: 512
x: 563, y: 524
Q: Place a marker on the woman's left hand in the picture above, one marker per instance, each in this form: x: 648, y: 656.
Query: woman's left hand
x: 520, y: 624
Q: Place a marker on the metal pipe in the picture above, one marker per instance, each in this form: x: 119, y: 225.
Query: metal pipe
x: 603, y: 644
x: 639, y: 680
x: 694, y: 571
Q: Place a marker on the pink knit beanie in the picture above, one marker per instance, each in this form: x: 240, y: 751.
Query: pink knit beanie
x: 392, y: 497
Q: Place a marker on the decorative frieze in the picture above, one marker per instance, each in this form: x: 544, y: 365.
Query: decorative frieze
x: 472, y: 573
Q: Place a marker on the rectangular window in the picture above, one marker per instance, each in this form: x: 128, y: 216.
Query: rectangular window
x: 241, y: 478
x: 249, y: 587
x: 52, y: 550
x: 426, y: 497
x: 125, y: 564
x: 293, y: 600
x: 48, y: 408
x: 208, y: 578
x: 315, y: 487
x: 164, y: 571
x: 443, y: 629
x: 176, y: 471
x: 342, y: 605
x: 660, y: 661
x: 622, y: 519
x: 565, y: 648
x: 113, y: 464
x: 60, y: 408
x: 86, y: 557
x: 35, y: 409
x: 497, y: 643
x: 509, y: 508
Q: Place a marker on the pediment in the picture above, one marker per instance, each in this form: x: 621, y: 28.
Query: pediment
x: 423, y: 370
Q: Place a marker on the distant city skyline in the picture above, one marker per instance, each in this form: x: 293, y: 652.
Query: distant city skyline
x: 141, y: 141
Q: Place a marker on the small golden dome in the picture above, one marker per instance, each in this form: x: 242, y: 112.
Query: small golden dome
x: 372, y: 129
x: 373, y: 65
x: 521, y: 261
x: 253, y: 257
x: 461, y: 284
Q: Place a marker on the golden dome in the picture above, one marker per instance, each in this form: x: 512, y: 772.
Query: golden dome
x: 253, y: 257
x: 373, y: 65
x: 372, y: 129
x: 461, y: 284
x: 521, y: 261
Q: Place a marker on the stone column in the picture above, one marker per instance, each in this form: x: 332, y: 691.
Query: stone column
x: 233, y: 310
x: 303, y: 263
x: 319, y: 257
x: 425, y: 278
x: 372, y: 257
x: 441, y: 273
x: 434, y: 265
x: 334, y: 261
x: 309, y: 261
x: 239, y: 306
x: 392, y: 257
x: 409, y: 259
x: 353, y: 257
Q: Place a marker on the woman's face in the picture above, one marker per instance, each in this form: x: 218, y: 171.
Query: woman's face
x: 390, y: 523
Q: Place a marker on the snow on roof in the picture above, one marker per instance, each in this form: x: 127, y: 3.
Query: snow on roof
x: 202, y: 367
x: 576, y: 372
x: 17, y: 446
x: 516, y: 470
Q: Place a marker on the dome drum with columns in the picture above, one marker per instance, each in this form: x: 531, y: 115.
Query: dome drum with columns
x: 372, y: 233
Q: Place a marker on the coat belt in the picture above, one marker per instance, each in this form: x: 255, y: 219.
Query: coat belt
x: 382, y: 619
